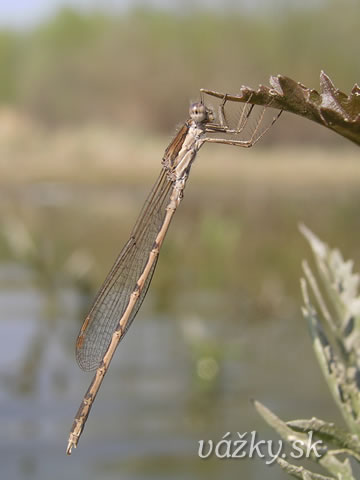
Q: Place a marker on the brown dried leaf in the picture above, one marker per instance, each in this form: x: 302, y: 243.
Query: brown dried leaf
x: 331, y: 107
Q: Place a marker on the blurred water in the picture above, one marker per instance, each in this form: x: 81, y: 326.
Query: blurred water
x: 221, y: 325
x: 153, y: 408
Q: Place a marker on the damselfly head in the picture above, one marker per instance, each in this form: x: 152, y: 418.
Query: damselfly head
x: 200, y: 114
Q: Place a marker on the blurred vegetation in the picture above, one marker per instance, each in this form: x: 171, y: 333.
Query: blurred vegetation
x: 138, y: 67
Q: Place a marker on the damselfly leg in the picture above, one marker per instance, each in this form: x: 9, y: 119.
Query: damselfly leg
x: 241, y: 125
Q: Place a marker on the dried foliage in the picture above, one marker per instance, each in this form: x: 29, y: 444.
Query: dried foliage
x: 331, y: 107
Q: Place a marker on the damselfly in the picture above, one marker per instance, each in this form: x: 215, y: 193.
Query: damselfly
x: 125, y: 287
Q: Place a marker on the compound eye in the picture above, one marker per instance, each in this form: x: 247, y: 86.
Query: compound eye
x: 198, y: 112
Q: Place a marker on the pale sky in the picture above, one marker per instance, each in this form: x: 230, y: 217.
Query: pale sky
x: 23, y: 13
